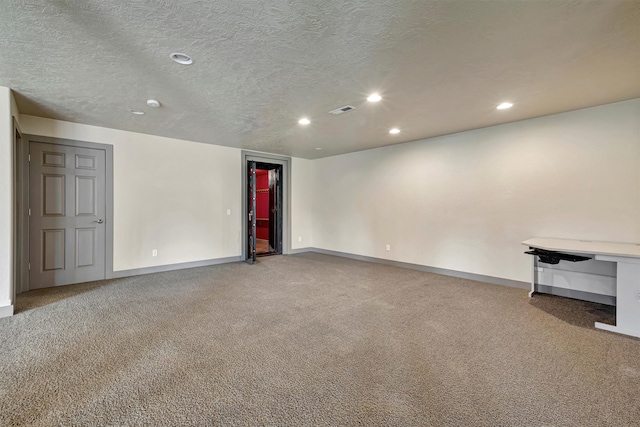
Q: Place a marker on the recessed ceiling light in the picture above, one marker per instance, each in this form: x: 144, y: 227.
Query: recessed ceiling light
x: 181, y: 58
x: 374, y: 97
x: 153, y: 103
x: 318, y: 148
x: 304, y: 121
x: 504, y: 106
x: 136, y: 112
x: 394, y: 131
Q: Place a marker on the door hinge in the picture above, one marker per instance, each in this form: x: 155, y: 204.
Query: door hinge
x: 29, y: 157
x: 29, y: 267
x: 29, y: 211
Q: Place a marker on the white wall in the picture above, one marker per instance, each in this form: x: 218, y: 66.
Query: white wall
x: 461, y: 202
x: 465, y: 201
x: 170, y: 195
x: 6, y: 167
x: 302, y: 176
x: 15, y: 113
x: 8, y: 110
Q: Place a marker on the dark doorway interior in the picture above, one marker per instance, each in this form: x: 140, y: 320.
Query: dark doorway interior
x: 266, y: 224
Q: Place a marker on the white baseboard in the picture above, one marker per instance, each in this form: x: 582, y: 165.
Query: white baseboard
x: 6, y: 311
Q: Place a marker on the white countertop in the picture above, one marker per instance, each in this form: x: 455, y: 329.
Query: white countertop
x: 585, y: 247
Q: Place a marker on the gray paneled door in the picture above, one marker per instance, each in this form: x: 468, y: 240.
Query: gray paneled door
x: 67, y: 189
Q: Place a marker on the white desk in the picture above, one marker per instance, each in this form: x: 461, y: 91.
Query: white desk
x: 626, y: 257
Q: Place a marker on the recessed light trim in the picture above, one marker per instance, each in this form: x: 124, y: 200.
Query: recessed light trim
x: 304, y: 121
x: 153, y: 103
x: 181, y: 58
x: 374, y: 97
x: 318, y: 148
x: 136, y: 112
x: 504, y: 105
x: 394, y: 131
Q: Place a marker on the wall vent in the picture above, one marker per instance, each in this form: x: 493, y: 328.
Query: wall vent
x: 342, y: 110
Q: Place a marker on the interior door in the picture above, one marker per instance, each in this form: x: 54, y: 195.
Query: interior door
x: 275, y: 210
x: 67, y: 201
x: 251, y: 253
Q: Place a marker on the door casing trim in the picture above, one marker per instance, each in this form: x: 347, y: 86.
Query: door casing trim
x: 18, y: 207
x: 24, y: 190
x: 286, y: 196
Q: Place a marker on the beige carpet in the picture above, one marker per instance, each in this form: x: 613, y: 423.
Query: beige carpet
x: 312, y: 340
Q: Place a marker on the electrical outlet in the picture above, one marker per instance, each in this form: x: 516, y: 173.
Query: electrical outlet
x: 388, y: 247
x: 228, y: 211
x: 299, y: 238
x: 154, y: 252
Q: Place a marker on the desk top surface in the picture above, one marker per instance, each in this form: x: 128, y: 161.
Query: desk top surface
x: 585, y: 246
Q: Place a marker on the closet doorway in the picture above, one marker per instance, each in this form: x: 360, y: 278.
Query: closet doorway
x: 265, y: 214
x: 266, y: 207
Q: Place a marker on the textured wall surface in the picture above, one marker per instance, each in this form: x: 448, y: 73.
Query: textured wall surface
x: 441, y: 66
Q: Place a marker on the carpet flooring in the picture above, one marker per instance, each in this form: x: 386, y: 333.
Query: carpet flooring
x: 312, y: 340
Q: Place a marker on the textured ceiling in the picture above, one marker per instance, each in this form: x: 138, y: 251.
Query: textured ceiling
x: 441, y: 66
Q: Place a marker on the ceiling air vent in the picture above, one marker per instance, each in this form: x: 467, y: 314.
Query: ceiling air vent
x: 342, y: 110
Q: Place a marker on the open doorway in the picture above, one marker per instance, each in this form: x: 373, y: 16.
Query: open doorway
x: 265, y: 209
x: 265, y: 205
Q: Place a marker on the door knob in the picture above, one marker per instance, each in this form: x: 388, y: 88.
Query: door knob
x: 100, y: 221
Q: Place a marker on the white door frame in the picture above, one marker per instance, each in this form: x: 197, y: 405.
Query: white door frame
x: 23, y: 184
x: 18, y: 207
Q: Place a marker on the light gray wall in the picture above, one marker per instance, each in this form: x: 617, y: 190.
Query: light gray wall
x: 170, y: 195
x: 465, y: 201
x: 462, y: 202
x: 302, y: 172
x: 173, y: 195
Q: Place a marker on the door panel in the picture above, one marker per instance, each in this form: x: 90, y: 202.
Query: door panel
x: 278, y: 191
x: 85, y: 162
x: 85, y: 195
x: 53, y: 249
x: 273, y: 212
x: 68, y: 206
x: 251, y: 253
x: 53, y: 195
x: 85, y: 247
x: 275, y: 209
x: 54, y: 160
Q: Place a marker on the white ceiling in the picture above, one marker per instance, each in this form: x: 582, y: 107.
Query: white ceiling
x: 441, y: 66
